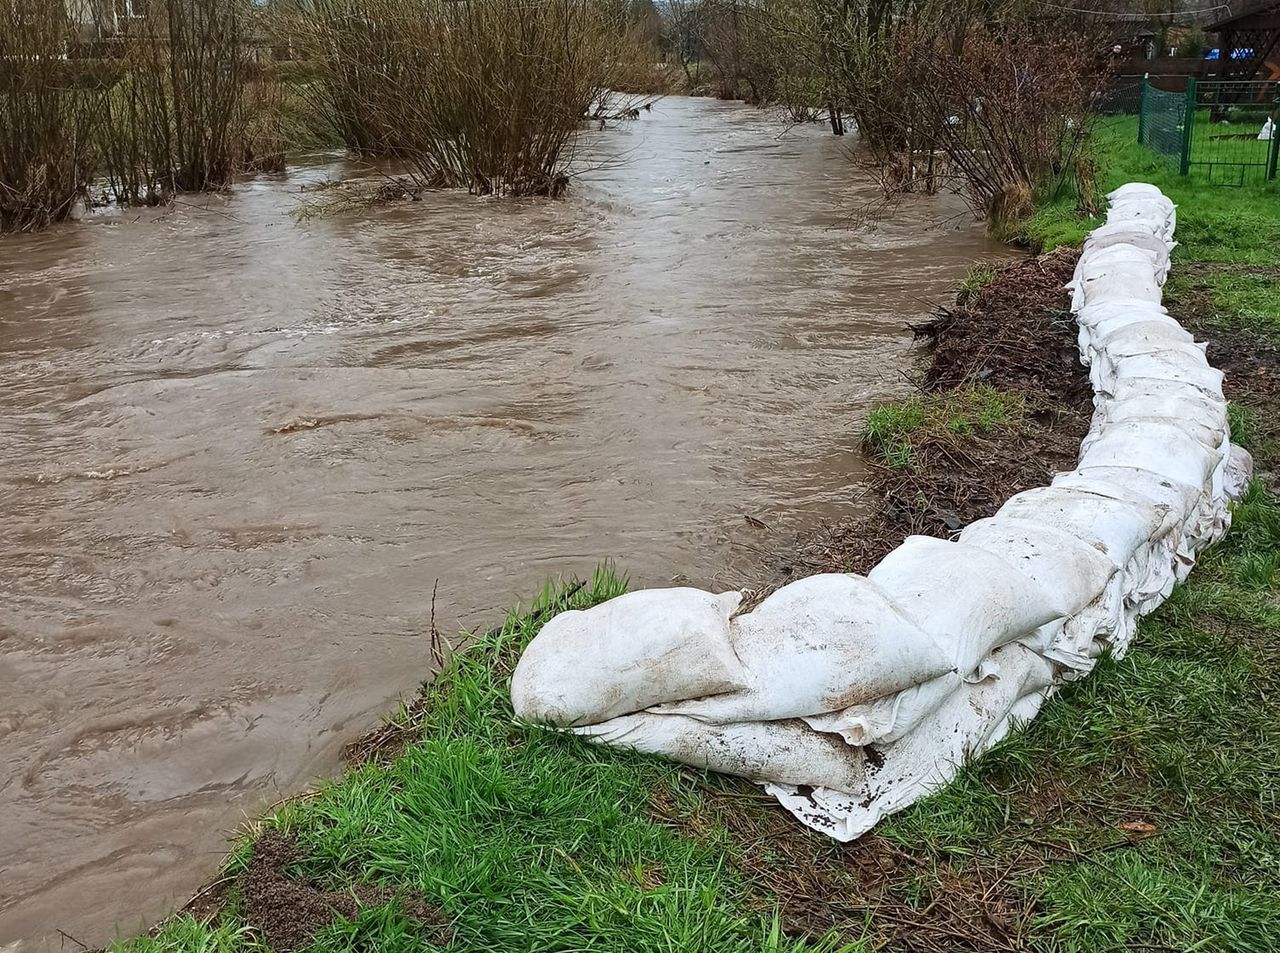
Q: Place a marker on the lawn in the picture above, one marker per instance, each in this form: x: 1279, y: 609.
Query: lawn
x: 1139, y: 811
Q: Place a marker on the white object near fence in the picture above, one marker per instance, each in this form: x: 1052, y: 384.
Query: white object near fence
x: 849, y: 698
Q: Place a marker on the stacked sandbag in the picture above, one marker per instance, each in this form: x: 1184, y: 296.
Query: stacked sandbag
x: 849, y: 698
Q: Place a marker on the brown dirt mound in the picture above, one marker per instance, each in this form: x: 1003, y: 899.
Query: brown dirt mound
x: 287, y: 912
x: 1015, y: 333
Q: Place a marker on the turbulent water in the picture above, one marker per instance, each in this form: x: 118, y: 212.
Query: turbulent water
x: 237, y: 453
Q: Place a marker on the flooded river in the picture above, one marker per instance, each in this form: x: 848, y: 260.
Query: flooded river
x: 238, y: 451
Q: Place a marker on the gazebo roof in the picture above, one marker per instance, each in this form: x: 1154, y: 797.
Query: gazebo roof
x: 1253, y: 16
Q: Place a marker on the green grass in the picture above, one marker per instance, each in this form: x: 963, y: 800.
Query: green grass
x: 893, y: 430
x: 978, y: 277
x: 1215, y: 223
x: 1248, y: 301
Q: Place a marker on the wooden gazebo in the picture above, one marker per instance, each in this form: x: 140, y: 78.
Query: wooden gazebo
x: 1249, y: 43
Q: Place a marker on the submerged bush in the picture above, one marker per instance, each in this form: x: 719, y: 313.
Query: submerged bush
x: 47, y: 117
x: 187, y: 115
x: 485, y: 95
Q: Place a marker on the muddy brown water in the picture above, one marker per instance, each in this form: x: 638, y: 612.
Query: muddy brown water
x: 237, y: 452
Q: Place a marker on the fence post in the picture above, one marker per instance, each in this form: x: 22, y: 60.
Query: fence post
x: 1274, y: 151
x: 1142, y: 109
x: 1188, y: 125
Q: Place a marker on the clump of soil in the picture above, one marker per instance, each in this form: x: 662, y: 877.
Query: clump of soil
x: 917, y: 904
x: 1014, y: 333
x: 288, y: 912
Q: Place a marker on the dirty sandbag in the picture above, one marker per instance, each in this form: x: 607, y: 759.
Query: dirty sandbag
x: 1188, y: 367
x: 1103, y: 317
x: 1145, y: 215
x: 787, y: 752
x: 1124, y: 254
x: 888, y: 719
x: 822, y: 644
x: 1161, y: 447
x: 1096, y: 339
x: 1130, y: 233
x: 1205, y: 421
x: 1187, y: 353
x: 1238, y: 472
x: 1141, y: 391
x: 1095, y: 260
x: 1132, y: 190
x: 1069, y: 568
x: 637, y: 650
x: 1157, y: 210
x: 1145, y: 392
x: 1094, y: 314
x: 1205, y: 434
x: 1175, y: 501
x: 1141, y: 201
x: 972, y: 718
x: 1107, y: 317
x: 1142, y: 337
x: 1160, y: 402
x: 1156, y: 214
x: 1115, y: 528
x: 968, y: 599
x: 1113, y: 280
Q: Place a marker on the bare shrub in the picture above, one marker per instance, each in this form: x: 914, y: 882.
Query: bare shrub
x: 485, y: 95
x: 191, y: 110
x: 989, y: 96
x: 48, y: 111
x: 1015, y: 112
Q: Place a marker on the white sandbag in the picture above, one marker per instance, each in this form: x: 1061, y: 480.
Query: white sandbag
x: 1073, y: 570
x: 821, y: 644
x: 1115, y: 528
x: 1177, y: 355
x: 1130, y: 233
x: 627, y: 654
x: 1112, y: 316
x: 1133, y: 190
x: 888, y: 719
x: 1097, y: 259
x: 1142, y: 337
x: 1207, y: 435
x: 1138, y: 202
x: 1129, y: 309
x: 1162, y: 447
x: 850, y: 698
x: 1138, y: 390
x: 1188, y: 367
x: 1144, y: 397
x: 1176, y: 500
x: 1115, y: 282
x: 787, y: 752
x: 970, y: 600
x: 1239, y: 470
x: 970, y: 720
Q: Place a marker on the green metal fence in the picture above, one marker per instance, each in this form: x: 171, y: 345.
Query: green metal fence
x: 1211, y: 132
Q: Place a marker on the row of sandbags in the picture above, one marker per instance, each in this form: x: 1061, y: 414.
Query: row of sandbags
x: 850, y: 697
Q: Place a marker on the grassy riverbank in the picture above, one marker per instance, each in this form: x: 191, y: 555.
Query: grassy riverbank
x: 1138, y: 812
